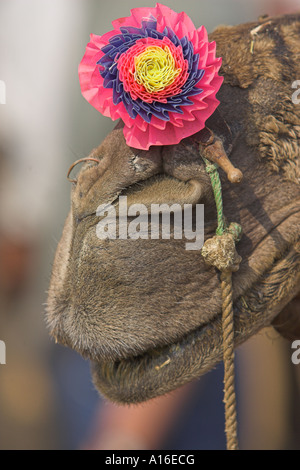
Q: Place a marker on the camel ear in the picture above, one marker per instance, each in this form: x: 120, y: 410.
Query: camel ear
x: 287, y: 323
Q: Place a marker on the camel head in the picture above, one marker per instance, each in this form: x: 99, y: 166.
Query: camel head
x: 147, y: 311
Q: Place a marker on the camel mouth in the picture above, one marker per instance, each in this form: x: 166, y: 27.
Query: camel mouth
x: 162, y: 369
x: 156, y: 361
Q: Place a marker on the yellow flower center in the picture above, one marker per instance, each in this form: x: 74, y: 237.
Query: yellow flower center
x: 155, y: 69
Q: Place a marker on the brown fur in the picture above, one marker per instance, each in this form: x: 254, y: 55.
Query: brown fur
x: 268, y: 73
x: 131, y: 305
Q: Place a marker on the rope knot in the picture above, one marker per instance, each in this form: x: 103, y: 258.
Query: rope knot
x: 210, y: 167
x: 220, y: 252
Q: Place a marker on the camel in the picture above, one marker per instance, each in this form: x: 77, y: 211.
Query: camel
x: 147, y: 313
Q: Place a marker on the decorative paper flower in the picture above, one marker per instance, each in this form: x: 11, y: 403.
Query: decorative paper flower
x: 156, y: 72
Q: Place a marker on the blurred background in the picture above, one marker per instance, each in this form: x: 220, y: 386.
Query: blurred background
x: 47, y: 399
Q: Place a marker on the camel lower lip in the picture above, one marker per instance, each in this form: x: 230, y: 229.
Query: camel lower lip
x: 158, y: 361
x: 159, y: 357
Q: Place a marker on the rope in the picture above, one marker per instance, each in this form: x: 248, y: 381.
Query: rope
x: 211, y: 169
x: 220, y: 252
x: 228, y: 359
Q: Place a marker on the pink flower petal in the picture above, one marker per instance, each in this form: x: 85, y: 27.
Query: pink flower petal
x: 176, y: 21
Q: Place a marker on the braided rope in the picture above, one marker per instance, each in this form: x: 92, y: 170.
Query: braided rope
x: 227, y: 304
x: 228, y: 359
